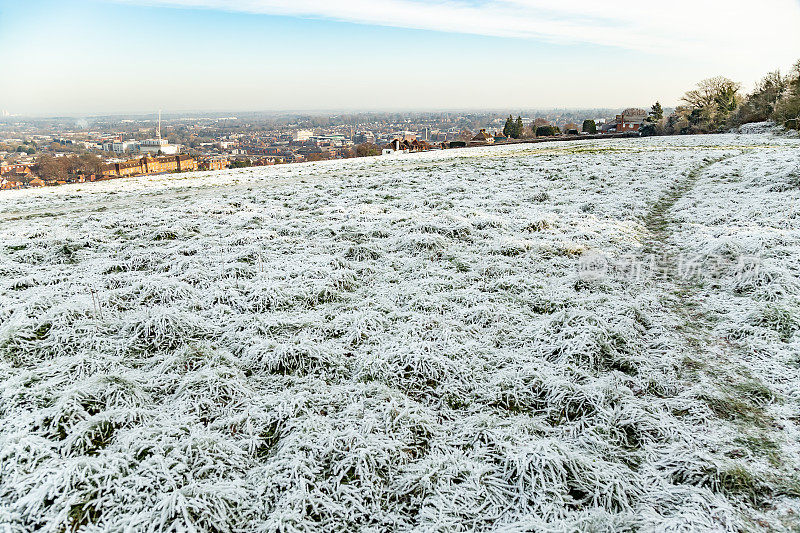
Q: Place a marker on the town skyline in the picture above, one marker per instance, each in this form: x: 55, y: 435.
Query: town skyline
x: 95, y: 57
x: 57, y: 151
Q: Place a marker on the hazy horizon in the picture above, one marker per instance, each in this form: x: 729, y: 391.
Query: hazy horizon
x: 297, y: 113
x: 90, y: 58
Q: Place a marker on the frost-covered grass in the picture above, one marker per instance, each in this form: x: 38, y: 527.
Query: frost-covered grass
x: 407, y: 344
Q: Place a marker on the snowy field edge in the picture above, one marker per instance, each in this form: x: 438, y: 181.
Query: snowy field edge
x: 594, y: 336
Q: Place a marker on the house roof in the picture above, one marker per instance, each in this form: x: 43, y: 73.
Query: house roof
x: 634, y: 111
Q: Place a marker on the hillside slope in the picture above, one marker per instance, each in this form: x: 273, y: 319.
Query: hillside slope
x: 593, y: 336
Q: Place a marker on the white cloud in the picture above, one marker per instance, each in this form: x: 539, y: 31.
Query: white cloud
x: 766, y: 31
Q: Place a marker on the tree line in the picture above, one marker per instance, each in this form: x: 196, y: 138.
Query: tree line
x: 717, y: 104
x: 49, y: 168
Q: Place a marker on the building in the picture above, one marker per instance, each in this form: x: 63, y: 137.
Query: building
x: 158, y: 145
x: 630, y: 120
x: 152, y: 165
x: 404, y: 135
x: 364, y: 137
x: 121, y: 147
x: 213, y: 163
x: 302, y: 135
x: 19, y: 177
x: 395, y: 147
x: 607, y: 127
x: 9, y: 184
x: 327, y: 140
x: 398, y: 146
x: 14, y: 169
x: 481, y: 139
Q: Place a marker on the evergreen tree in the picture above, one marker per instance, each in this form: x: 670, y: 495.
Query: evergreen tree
x: 647, y: 130
x: 508, y: 129
x: 589, y: 126
x: 547, y: 131
x: 518, y: 128
x: 656, y: 113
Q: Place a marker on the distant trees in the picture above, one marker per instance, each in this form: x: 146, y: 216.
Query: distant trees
x: 787, y: 109
x: 536, y: 123
x: 711, y: 103
x: 547, y: 131
x: 656, y: 113
x: 761, y: 104
x: 654, y: 123
x: 678, y: 122
x: 513, y: 128
x: 84, y: 164
x: 508, y: 129
x: 26, y: 149
x: 726, y: 102
x: 48, y: 167
x: 589, y: 126
x: 648, y: 129
x: 705, y: 94
x: 716, y: 104
x: 367, y: 149
x: 709, y: 107
x: 775, y: 97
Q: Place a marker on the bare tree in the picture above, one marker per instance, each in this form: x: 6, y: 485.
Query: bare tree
x: 51, y: 168
x: 367, y: 149
x: 712, y: 101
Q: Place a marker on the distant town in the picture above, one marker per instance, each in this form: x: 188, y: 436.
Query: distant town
x: 36, y: 152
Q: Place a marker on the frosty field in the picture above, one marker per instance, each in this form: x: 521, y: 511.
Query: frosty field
x: 599, y: 336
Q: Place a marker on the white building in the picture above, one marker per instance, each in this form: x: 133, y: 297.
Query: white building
x: 404, y: 135
x: 121, y: 147
x: 327, y: 140
x: 364, y: 137
x: 154, y: 146
x: 302, y: 135
x: 396, y: 149
x: 159, y: 145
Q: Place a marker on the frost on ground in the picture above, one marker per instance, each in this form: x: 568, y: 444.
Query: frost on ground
x: 758, y: 127
x: 465, y: 340
x: 767, y: 127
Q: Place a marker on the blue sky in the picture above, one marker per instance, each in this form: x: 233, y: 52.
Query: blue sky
x: 87, y: 57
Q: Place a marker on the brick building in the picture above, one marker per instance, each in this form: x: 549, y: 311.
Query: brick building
x: 14, y: 169
x: 630, y: 120
x: 152, y: 165
x: 214, y: 163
